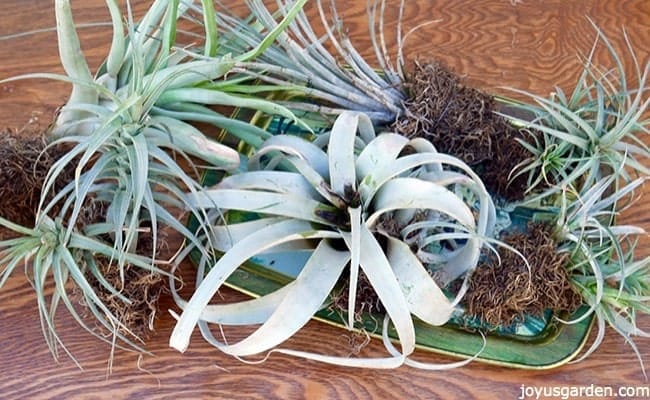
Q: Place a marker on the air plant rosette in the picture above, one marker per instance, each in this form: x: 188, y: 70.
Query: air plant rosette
x: 552, y: 258
x: 349, y: 212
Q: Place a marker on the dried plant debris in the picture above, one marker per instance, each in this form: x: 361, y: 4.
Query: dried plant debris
x: 141, y: 287
x: 501, y: 294
x: 367, y: 301
x: 460, y: 121
x: 24, y: 163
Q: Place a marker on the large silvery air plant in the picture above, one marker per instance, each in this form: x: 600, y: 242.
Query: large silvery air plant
x: 391, y: 207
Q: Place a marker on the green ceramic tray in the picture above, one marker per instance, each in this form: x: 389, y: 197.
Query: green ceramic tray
x: 554, y: 345
x: 536, y: 343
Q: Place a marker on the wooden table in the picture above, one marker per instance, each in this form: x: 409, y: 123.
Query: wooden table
x: 494, y: 43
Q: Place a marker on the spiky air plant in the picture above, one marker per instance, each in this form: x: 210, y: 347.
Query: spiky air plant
x: 391, y: 207
x: 126, y: 146
x: 589, y: 135
x: 590, y: 157
x: 603, y: 266
x: 50, y: 253
x: 129, y: 114
x: 300, y: 62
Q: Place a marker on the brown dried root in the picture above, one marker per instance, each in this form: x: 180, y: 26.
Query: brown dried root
x: 143, y: 288
x: 501, y: 295
x: 24, y: 164
x: 367, y: 305
x: 460, y: 121
x: 367, y: 301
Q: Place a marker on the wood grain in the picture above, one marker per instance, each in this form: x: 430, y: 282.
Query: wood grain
x: 494, y: 43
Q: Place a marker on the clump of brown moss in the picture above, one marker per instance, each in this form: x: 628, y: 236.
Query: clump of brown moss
x: 461, y: 121
x: 501, y: 294
x: 24, y: 163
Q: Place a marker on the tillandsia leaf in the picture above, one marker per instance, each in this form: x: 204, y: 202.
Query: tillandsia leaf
x: 341, y: 164
x: 428, y: 366
x: 248, y: 133
x: 602, y: 263
x: 380, y: 153
x: 379, y: 272
x: 276, y: 31
x: 211, y: 32
x: 178, y: 135
x: 73, y: 60
x: 262, y: 202
x: 115, y: 57
x: 293, y: 190
x: 309, y: 292
x: 353, y: 241
x: 426, y: 300
x: 213, y: 97
x: 417, y: 194
x: 255, y: 311
x: 284, y: 231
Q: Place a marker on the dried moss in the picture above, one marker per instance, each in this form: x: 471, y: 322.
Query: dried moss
x: 502, y: 294
x: 460, y: 120
x: 24, y: 164
x: 141, y: 287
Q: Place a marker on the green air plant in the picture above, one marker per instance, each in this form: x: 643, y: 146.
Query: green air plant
x: 590, y: 156
x: 590, y: 134
x: 385, y: 205
x: 125, y: 144
x: 49, y: 251
x: 300, y: 63
x: 603, y: 267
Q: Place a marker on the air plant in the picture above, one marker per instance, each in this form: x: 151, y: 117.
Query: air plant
x: 585, y: 137
x: 125, y: 141
x: 49, y: 252
x: 299, y: 63
x: 603, y: 267
x: 590, y: 157
x: 391, y: 207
